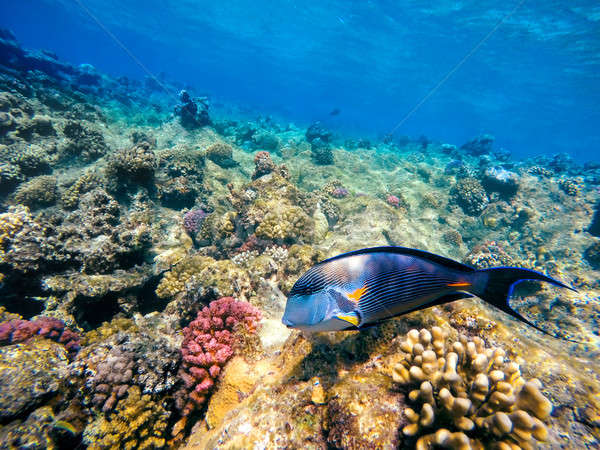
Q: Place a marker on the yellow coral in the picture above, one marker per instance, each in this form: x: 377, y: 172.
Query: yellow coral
x: 136, y: 423
x: 290, y: 224
x: 469, y: 386
x: 224, y: 276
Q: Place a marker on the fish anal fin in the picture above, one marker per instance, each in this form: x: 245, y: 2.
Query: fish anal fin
x: 352, y: 318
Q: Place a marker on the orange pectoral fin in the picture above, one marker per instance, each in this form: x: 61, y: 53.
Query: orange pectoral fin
x: 460, y: 284
x: 357, y: 294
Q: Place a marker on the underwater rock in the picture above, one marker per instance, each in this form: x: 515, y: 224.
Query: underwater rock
x: 30, y: 373
x: 41, y: 430
x: 480, y: 145
x: 470, y: 195
x: 267, y: 141
x: 498, y: 179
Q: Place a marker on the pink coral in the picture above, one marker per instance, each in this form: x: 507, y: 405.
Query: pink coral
x: 392, y: 200
x: 19, y: 330
x: 208, y: 345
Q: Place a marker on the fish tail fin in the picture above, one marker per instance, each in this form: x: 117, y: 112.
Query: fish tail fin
x: 501, y: 282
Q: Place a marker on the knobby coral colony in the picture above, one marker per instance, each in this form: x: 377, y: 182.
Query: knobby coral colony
x: 141, y: 242
x: 468, y: 394
x: 208, y: 344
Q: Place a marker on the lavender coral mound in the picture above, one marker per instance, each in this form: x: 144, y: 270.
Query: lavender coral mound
x: 19, y: 330
x: 208, y: 344
x: 193, y: 219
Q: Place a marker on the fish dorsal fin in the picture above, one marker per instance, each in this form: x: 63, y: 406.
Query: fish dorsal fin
x: 446, y: 262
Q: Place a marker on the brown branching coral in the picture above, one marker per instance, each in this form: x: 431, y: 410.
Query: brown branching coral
x: 469, y: 395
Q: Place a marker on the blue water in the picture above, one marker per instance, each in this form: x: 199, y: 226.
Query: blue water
x: 534, y: 84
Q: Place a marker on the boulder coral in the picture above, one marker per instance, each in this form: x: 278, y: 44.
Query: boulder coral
x: 468, y: 395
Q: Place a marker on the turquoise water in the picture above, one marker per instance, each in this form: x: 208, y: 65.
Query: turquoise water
x: 533, y: 83
x: 170, y: 171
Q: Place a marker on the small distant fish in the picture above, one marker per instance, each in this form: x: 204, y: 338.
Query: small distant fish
x: 335, y: 112
x: 364, y: 287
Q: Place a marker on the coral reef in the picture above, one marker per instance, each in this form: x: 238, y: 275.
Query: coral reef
x: 263, y: 164
x: 488, y: 254
x: 192, y: 220
x: 193, y: 113
x: 133, y: 165
x: 469, y: 194
x: 480, y: 145
x: 83, y: 141
x: 221, y: 154
x: 30, y: 372
x: 121, y: 220
x: 38, y: 192
x: 208, y: 344
x: 469, y: 394
x: 18, y: 330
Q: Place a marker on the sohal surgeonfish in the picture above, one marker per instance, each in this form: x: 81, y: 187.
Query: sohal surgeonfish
x: 364, y: 287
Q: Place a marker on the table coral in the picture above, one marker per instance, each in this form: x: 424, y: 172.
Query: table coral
x: 470, y: 393
x: 208, y: 344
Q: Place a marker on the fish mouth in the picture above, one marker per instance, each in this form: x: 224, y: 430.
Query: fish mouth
x: 287, y: 323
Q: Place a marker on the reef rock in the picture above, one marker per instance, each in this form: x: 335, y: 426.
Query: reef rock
x: 29, y: 374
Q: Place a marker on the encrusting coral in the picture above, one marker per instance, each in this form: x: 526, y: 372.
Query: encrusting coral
x: 469, y: 395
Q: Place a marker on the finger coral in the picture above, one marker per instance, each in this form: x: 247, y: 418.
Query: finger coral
x: 208, y: 344
x: 469, y: 395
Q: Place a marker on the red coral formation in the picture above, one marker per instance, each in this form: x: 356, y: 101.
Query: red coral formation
x: 19, y: 330
x: 208, y: 344
x: 263, y: 164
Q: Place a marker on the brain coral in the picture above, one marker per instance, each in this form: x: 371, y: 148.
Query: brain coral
x: 468, y: 395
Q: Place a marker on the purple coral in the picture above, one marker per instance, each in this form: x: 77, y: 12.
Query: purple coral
x: 340, y: 192
x: 208, y: 344
x: 193, y: 219
x: 19, y: 330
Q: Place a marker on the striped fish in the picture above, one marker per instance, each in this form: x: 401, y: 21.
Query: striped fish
x: 364, y: 287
